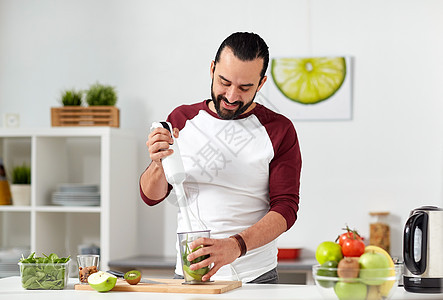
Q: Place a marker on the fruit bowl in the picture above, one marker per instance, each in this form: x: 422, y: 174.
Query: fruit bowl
x: 371, y: 284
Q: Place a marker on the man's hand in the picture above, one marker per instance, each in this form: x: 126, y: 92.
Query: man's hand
x: 153, y: 181
x: 158, y: 143
x: 221, y: 252
x: 225, y: 251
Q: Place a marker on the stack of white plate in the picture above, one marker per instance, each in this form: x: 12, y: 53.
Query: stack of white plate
x: 76, y: 195
x: 13, y: 254
x: 9, y: 258
x: 9, y: 269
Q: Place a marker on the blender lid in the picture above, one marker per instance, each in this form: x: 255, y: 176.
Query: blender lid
x: 430, y: 208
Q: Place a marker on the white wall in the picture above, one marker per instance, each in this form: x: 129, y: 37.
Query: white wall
x: 157, y: 54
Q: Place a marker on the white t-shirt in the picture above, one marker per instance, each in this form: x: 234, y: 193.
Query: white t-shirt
x: 236, y: 172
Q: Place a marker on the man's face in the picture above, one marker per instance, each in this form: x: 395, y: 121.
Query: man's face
x: 235, y: 84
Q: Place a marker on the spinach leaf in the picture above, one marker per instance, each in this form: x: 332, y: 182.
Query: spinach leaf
x: 46, y: 272
x: 197, y: 274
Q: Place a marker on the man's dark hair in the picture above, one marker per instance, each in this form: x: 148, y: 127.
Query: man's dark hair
x: 246, y: 46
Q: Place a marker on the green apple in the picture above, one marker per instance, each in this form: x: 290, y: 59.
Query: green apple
x: 374, y: 268
x: 327, y: 269
x: 102, y: 281
x: 350, y: 290
x: 327, y: 251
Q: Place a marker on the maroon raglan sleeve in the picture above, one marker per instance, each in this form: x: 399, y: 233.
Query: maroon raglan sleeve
x: 149, y: 201
x: 284, y: 169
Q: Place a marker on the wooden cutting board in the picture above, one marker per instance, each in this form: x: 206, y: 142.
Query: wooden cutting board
x: 171, y: 286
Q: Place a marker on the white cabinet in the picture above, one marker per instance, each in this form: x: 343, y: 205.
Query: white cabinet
x: 94, y: 155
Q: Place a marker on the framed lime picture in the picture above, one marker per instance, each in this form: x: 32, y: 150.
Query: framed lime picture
x: 309, y: 88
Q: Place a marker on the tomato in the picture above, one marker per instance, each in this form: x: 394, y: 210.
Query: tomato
x: 353, y: 247
x: 348, y: 235
x: 351, y: 242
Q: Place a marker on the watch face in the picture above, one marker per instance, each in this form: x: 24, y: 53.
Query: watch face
x: 11, y: 120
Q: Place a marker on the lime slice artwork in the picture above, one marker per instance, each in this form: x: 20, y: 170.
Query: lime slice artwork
x: 308, y: 80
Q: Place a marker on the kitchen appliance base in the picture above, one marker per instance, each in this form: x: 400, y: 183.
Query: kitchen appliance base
x: 423, y: 285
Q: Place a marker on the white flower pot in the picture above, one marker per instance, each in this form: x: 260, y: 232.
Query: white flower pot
x: 21, y: 194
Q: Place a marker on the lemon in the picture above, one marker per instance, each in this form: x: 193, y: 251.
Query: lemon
x: 308, y: 80
x: 385, y: 287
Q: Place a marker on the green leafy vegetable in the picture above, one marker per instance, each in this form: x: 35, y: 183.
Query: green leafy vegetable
x: 197, y: 274
x: 43, y: 273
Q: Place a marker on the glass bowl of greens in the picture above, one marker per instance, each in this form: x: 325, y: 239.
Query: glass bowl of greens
x: 44, y: 273
x: 185, y: 239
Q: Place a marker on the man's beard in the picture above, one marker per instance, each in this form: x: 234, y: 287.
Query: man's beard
x: 226, y: 114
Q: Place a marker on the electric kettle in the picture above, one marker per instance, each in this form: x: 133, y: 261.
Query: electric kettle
x: 423, y: 250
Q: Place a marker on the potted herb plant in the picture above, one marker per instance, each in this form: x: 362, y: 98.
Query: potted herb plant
x: 21, y: 185
x: 101, y: 110
x: 71, y: 97
x: 101, y: 95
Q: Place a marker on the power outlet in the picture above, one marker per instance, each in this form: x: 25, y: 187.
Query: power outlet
x: 11, y: 120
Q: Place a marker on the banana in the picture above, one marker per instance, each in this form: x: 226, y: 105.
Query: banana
x: 372, y: 248
x: 385, y: 287
x: 374, y: 292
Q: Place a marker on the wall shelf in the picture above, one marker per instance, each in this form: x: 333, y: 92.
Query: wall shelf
x: 102, y: 156
x: 14, y: 208
x: 85, y: 209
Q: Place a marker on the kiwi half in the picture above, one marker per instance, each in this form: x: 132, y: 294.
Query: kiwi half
x: 133, y: 277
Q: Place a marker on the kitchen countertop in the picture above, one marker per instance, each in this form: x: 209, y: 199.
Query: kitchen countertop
x: 147, y: 261
x: 10, y: 288
x: 144, y: 261
x: 164, y: 264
